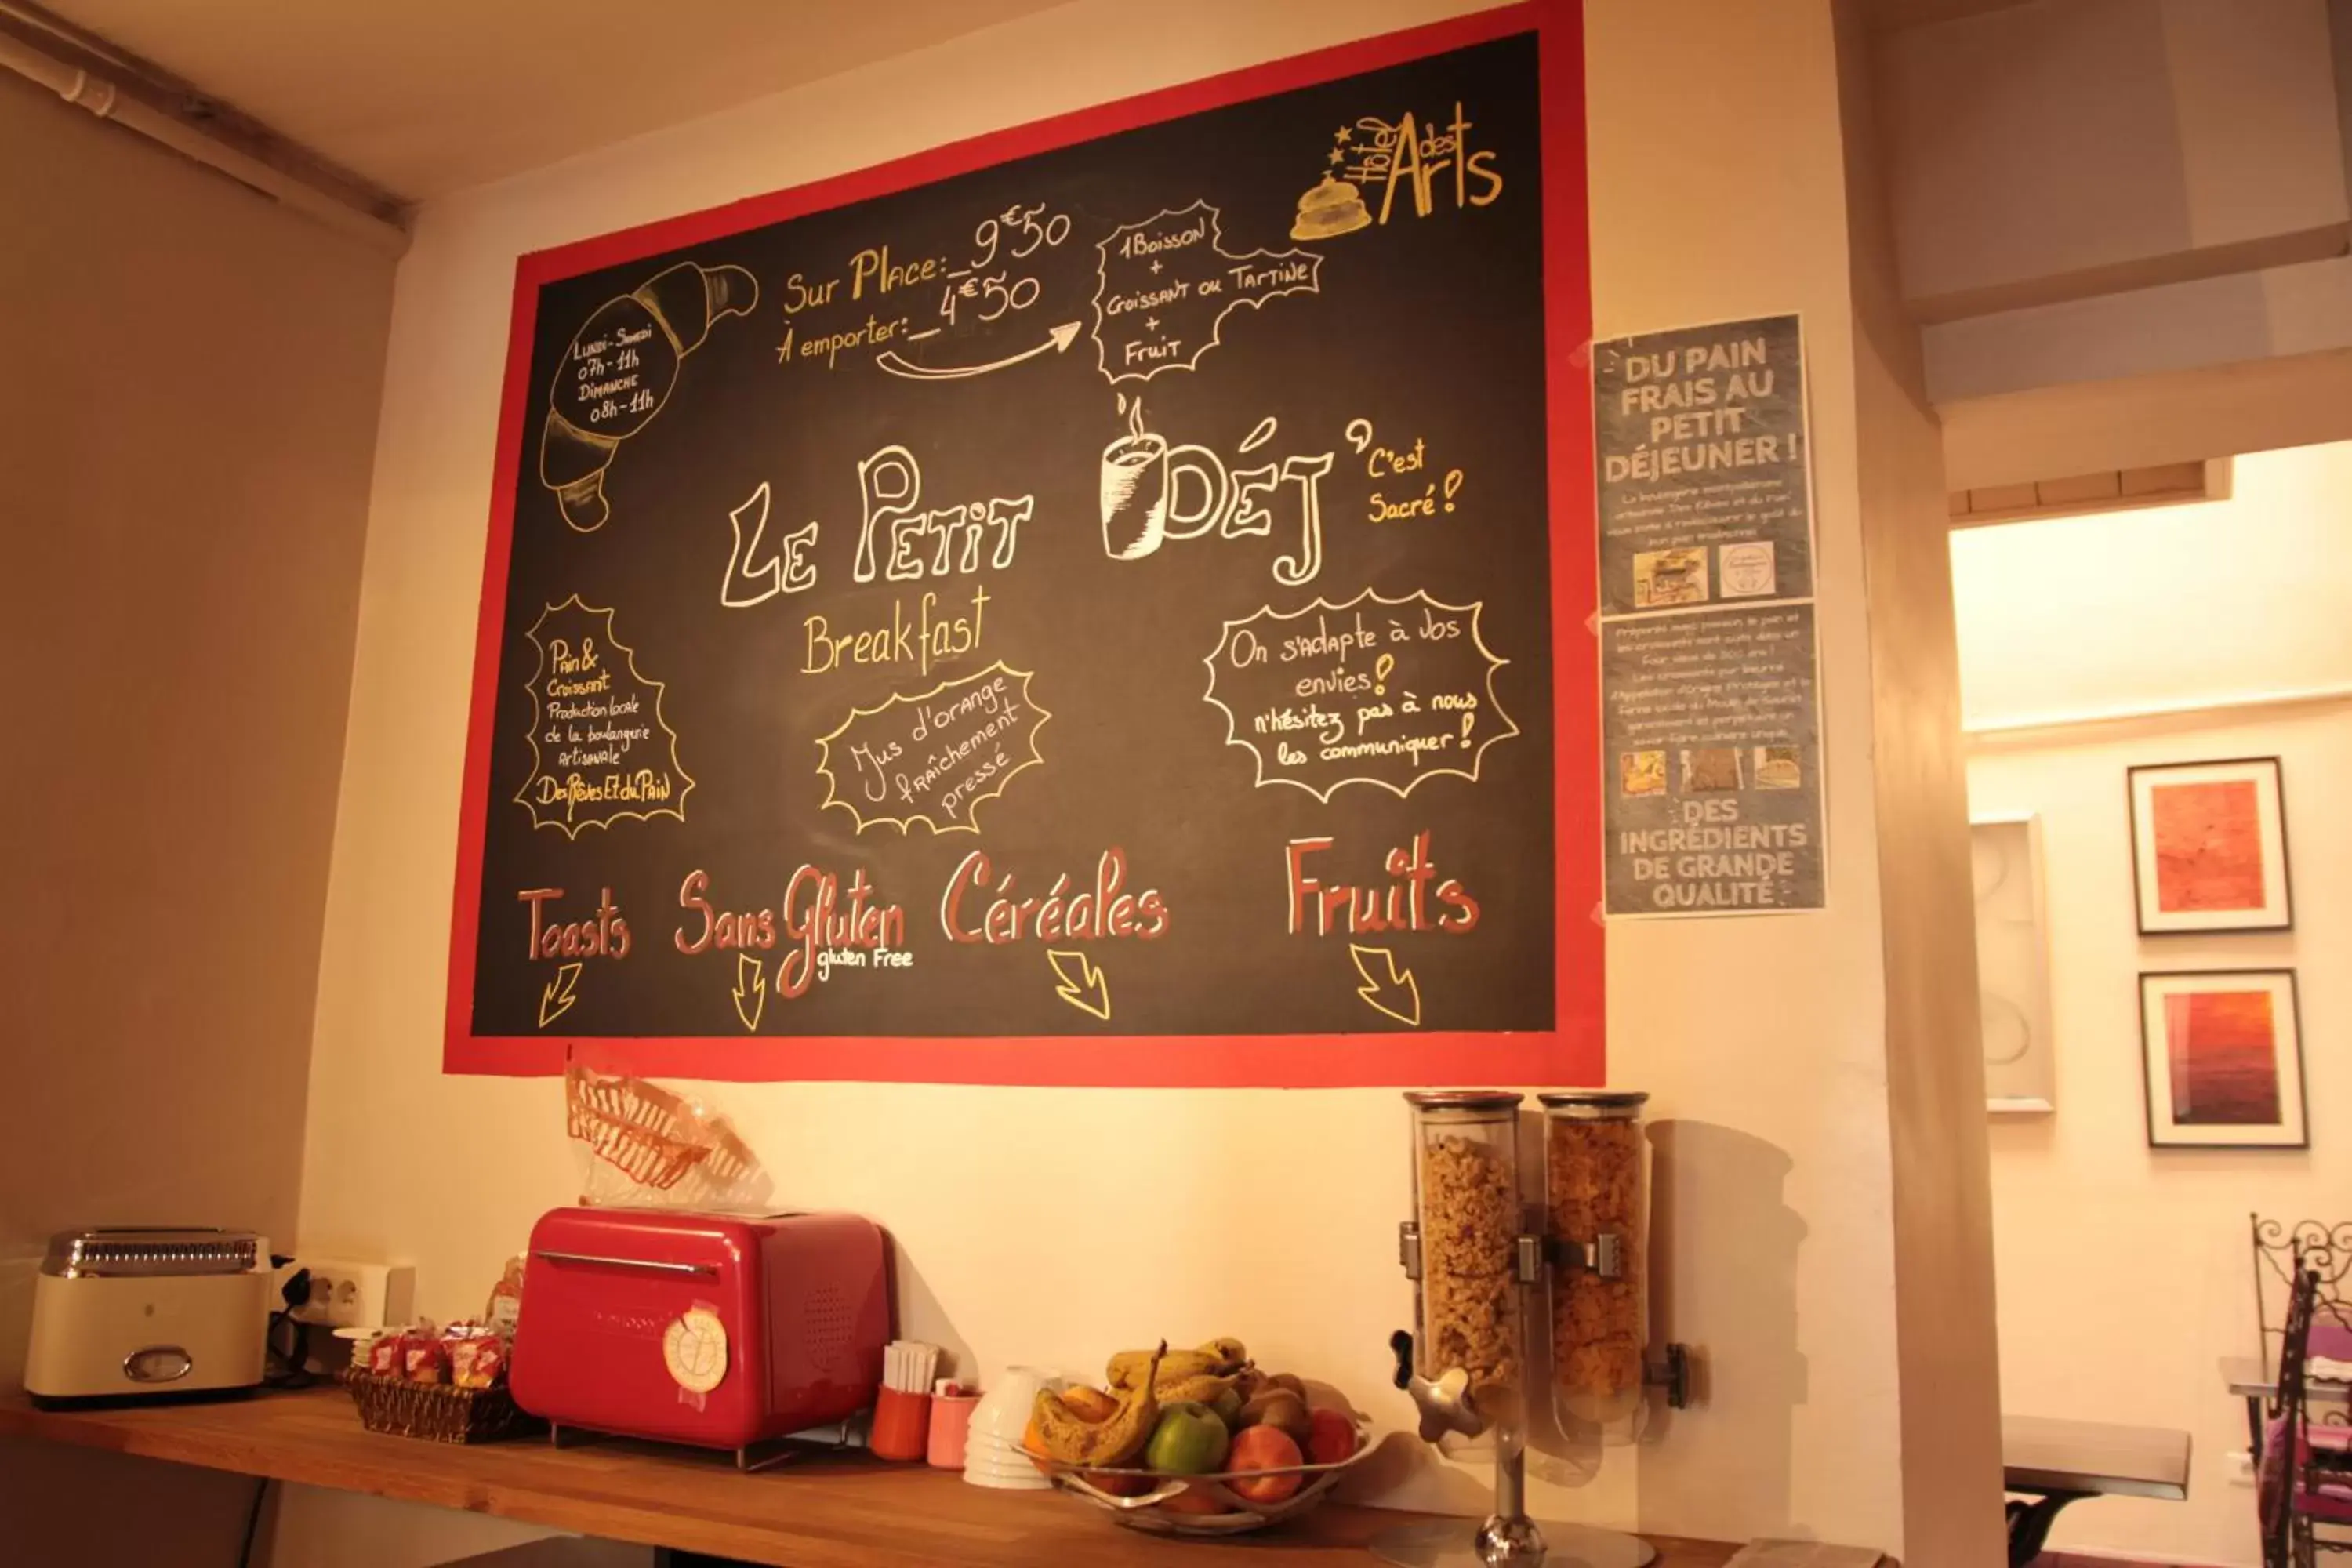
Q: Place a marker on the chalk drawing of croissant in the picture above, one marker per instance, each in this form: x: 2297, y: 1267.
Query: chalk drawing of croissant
x: 618, y: 370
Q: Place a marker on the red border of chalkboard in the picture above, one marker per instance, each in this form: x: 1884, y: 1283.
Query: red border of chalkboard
x: 1571, y: 1053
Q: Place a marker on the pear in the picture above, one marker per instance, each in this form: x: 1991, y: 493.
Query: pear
x: 1281, y: 1409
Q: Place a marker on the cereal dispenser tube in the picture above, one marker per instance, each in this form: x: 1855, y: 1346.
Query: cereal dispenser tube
x: 1476, y: 1265
x: 1596, y: 1233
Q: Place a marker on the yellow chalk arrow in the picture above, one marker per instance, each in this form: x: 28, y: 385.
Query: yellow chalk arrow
x: 556, y: 998
x: 1089, y: 992
x: 750, y: 983
x: 1057, y: 339
x: 1386, y: 988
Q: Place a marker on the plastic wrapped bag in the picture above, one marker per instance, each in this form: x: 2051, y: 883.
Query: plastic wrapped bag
x: 645, y: 1146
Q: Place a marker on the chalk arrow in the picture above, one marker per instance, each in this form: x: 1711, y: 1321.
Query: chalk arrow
x: 1057, y: 339
x: 750, y: 991
x: 1084, y: 984
x: 1386, y: 988
x: 556, y: 997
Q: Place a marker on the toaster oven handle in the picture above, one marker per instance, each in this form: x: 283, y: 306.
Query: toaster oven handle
x: 642, y: 1265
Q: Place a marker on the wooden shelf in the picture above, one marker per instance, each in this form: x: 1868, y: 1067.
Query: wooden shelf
x: 813, y: 1509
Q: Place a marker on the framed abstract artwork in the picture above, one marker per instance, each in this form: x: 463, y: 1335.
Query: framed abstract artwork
x: 2209, y: 847
x: 2012, y: 964
x: 2222, y: 1059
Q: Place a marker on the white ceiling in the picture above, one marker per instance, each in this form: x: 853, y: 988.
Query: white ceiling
x: 423, y: 97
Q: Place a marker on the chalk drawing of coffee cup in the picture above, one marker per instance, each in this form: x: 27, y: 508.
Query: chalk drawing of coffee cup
x: 1134, y: 490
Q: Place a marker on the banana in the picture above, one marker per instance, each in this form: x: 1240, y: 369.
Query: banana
x: 1222, y: 1357
x: 1111, y: 1442
x: 1090, y: 1404
x: 1127, y: 1368
x: 1201, y: 1388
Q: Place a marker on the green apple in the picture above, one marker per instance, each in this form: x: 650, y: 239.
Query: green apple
x: 1191, y: 1440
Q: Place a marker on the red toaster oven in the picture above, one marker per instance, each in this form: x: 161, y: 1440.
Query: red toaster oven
x: 717, y: 1330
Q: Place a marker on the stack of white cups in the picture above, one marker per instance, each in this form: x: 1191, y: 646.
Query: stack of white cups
x: 993, y: 1455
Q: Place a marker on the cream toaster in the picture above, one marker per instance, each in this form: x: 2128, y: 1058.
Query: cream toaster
x: 149, y: 1313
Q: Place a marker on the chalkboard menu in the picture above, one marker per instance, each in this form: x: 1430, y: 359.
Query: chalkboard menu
x: 1103, y: 604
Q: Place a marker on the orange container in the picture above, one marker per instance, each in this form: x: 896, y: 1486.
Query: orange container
x: 901, y: 1423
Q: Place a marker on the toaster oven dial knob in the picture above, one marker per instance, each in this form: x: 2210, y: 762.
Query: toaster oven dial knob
x: 157, y: 1363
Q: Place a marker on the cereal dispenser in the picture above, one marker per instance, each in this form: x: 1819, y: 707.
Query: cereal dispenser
x: 1595, y: 1235
x: 1478, y: 1268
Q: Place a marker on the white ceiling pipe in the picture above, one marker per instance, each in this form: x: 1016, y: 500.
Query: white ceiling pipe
x: 84, y: 91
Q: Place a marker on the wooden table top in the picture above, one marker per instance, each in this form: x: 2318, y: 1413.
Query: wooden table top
x: 814, y: 1510
x: 2040, y: 1455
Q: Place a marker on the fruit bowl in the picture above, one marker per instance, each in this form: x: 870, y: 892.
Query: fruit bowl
x: 1148, y: 1507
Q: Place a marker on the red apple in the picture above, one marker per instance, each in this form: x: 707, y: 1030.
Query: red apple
x: 1193, y: 1500
x: 1263, y: 1448
x: 1331, y: 1439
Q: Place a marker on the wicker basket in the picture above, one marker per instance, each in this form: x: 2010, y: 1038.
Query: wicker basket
x: 437, y: 1411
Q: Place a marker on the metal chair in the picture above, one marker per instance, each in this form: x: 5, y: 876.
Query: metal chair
x: 2303, y: 1489
x: 2274, y: 1478
x: 2283, y: 1253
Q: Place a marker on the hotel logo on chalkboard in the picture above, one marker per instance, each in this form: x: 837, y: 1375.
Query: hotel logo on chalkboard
x: 1433, y: 160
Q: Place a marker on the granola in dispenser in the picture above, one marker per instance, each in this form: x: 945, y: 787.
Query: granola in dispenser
x: 1469, y: 1238
x: 1592, y: 1186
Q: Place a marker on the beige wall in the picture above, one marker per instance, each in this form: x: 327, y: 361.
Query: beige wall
x: 186, y: 427
x: 2098, y: 613
x: 1763, y: 1039
x: 1274, y: 1214
x: 1942, y: 1209
x: 2125, y: 1271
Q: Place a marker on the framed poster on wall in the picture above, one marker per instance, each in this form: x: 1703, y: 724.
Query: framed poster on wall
x: 2209, y: 847
x: 1102, y: 603
x: 2014, y: 965
x: 2223, y: 1060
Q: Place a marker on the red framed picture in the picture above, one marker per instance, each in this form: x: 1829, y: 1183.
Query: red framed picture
x: 2223, y: 1060
x: 931, y: 630
x: 2209, y: 847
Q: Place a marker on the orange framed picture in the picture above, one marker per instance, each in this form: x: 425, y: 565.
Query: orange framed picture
x: 2223, y: 1059
x: 2209, y: 847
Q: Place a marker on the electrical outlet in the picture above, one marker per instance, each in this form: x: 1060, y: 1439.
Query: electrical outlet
x: 2241, y: 1467
x: 356, y: 1295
